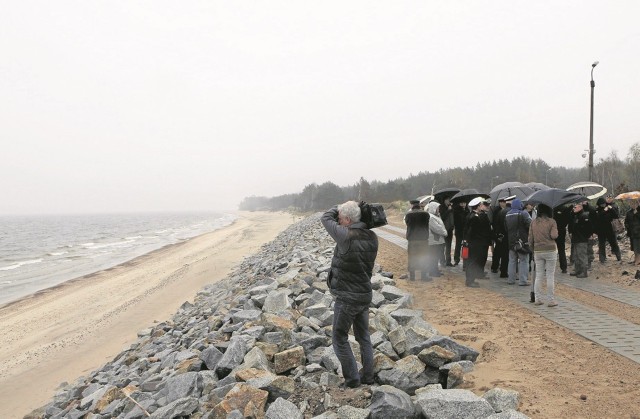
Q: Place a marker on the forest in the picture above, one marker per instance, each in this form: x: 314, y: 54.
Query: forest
x: 615, y: 173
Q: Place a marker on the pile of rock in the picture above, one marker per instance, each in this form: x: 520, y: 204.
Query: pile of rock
x: 258, y: 345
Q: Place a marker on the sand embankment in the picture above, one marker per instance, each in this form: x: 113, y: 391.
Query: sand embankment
x: 59, y: 334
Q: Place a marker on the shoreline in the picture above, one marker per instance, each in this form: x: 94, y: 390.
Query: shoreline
x: 99, y: 270
x: 63, y: 332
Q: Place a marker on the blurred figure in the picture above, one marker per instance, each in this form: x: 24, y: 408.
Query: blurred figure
x: 581, y: 231
x: 437, y: 234
x: 478, y: 237
x: 517, y: 224
x: 446, y: 215
x: 417, y: 221
x: 460, y: 213
x: 632, y: 224
x: 542, y: 235
x: 605, y: 214
x: 500, y: 256
x: 562, y: 215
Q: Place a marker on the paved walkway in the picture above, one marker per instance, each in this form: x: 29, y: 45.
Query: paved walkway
x: 612, y: 332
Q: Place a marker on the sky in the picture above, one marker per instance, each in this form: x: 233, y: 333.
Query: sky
x: 121, y: 106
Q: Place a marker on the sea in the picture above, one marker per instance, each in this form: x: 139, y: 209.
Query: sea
x: 41, y: 251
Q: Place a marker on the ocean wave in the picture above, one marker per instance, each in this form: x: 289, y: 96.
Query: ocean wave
x: 107, y: 245
x: 19, y: 264
x: 56, y: 253
x: 5, y: 282
x: 133, y: 238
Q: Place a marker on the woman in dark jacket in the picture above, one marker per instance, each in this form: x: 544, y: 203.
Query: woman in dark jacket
x: 632, y: 224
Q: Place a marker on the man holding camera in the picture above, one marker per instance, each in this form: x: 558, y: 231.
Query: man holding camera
x: 350, y: 283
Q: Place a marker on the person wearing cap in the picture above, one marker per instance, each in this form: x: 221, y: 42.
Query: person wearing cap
x: 605, y: 214
x: 349, y: 282
x: 477, y: 236
x: 517, y: 224
x: 500, y: 256
x: 581, y: 231
x: 417, y: 235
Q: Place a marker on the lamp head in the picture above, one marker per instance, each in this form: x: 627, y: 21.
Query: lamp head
x: 595, y: 64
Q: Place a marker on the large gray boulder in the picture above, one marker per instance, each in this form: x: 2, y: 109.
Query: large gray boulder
x: 389, y: 402
x: 453, y: 404
x: 177, y: 408
x: 184, y: 385
x: 283, y: 409
x: 462, y: 352
x: 502, y: 400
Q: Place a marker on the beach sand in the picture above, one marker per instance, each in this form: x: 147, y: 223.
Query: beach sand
x: 67, y: 331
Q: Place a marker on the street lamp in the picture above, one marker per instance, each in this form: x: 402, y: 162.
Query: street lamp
x: 546, y: 176
x: 591, y: 150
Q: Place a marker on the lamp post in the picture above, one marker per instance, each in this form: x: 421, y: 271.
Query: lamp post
x: 591, y: 151
x: 546, y: 176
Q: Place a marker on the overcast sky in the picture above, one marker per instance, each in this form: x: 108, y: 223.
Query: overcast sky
x: 193, y: 105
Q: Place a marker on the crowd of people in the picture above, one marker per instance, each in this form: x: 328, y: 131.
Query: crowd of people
x: 522, y: 239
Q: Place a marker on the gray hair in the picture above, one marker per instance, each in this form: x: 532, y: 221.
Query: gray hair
x: 350, y: 209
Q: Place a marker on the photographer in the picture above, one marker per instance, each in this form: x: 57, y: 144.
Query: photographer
x: 350, y: 283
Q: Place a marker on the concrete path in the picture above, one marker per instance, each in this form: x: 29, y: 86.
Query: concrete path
x: 612, y: 332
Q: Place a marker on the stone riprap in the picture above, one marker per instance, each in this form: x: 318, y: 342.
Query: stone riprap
x: 258, y: 344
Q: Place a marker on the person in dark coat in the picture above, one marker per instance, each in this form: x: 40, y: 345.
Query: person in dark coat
x: 446, y: 214
x: 477, y: 236
x: 349, y: 281
x: 517, y: 224
x: 417, y: 235
x: 587, y: 207
x: 581, y: 232
x: 562, y: 215
x: 605, y: 214
x: 632, y: 224
x: 460, y: 213
x: 500, y: 257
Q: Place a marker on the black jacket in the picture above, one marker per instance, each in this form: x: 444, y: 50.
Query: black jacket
x: 353, y: 259
x: 460, y: 219
x: 632, y: 223
x: 581, y: 227
x: 417, y: 221
x: 478, y: 229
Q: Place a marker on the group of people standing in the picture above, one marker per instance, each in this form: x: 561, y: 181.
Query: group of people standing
x: 521, y: 237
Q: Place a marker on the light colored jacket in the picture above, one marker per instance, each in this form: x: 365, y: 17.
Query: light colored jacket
x: 437, y: 230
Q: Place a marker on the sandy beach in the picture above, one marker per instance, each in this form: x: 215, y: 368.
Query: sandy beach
x: 62, y: 333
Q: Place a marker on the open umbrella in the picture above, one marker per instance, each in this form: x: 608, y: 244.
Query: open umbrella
x: 536, y: 186
x: 629, y: 195
x: 425, y: 199
x: 553, y: 197
x: 591, y: 190
x: 445, y: 193
x: 503, y: 190
x: 467, y: 195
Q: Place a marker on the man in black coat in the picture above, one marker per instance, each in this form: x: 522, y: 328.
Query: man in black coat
x: 605, y: 214
x: 417, y: 235
x: 500, y: 256
x: 562, y: 215
x: 581, y: 231
x: 350, y: 283
x: 446, y: 214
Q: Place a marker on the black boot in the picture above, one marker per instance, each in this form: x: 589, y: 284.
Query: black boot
x: 532, y: 297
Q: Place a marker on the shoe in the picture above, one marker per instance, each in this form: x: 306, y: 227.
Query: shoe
x: 573, y: 273
x: 564, y: 271
x: 511, y: 282
x: 551, y: 304
x: 504, y: 275
x: 538, y: 303
x: 456, y: 263
x: 450, y: 264
x: 495, y: 271
x: 473, y: 285
x: 352, y: 383
x: 581, y: 276
x: 524, y: 284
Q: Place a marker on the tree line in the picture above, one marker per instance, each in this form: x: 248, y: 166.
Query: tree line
x: 616, y: 174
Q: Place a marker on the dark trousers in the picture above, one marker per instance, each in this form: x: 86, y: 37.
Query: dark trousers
x: 562, y: 252
x: 602, y: 245
x: 478, y: 254
x: 581, y: 257
x: 500, y: 257
x: 344, y: 316
x: 456, y: 251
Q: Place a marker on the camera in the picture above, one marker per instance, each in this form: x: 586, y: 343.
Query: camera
x: 372, y: 215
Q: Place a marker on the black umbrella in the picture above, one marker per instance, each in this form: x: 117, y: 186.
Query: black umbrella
x: 553, y: 197
x: 467, y: 195
x: 503, y: 190
x: 445, y: 193
x: 536, y: 186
